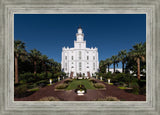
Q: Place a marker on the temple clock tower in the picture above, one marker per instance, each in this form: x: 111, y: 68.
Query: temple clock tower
x: 79, y: 59
x: 80, y: 43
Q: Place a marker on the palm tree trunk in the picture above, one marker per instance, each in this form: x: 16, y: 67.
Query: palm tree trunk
x: 114, y: 67
x: 16, y: 69
x: 138, y: 69
x: 122, y: 67
x: 35, y: 64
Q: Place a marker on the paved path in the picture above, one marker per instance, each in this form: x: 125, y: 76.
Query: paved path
x: 91, y: 95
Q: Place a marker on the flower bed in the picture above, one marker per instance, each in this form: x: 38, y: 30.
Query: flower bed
x: 81, y: 90
x: 49, y: 99
x: 61, y: 86
x: 99, y: 85
x: 110, y: 98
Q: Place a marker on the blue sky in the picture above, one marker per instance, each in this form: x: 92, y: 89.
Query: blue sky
x: 110, y: 33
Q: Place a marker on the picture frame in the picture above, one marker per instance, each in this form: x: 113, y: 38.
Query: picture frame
x: 9, y: 8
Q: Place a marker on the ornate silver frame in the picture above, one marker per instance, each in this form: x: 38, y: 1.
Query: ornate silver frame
x: 10, y: 7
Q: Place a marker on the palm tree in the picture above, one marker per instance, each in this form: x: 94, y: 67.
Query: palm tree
x: 51, y: 62
x: 122, y: 56
x: 102, y: 66
x: 115, y: 61
x: 35, y: 56
x: 58, y: 67
x: 19, y: 51
x: 108, y: 62
x: 138, y: 53
x: 44, y: 60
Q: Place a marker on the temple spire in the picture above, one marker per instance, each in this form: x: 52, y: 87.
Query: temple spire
x: 80, y: 34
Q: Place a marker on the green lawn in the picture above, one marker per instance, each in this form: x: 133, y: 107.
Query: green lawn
x: 85, y: 82
x: 122, y: 87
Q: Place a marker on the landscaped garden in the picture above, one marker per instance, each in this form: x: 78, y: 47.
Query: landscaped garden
x: 35, y: 74
x: 73, y: 85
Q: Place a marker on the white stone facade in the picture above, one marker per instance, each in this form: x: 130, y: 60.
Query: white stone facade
x: 79, y: 60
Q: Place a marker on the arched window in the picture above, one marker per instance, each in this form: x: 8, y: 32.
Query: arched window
x: 87, y: 57
x: 93, y: 66
x: 80, y: 54
x: 65, y: 66
x: 93, y: 57
x: 80, y: 66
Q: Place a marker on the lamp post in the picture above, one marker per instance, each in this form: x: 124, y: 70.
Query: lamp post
x: 109, y: 81
x: 101, y: 78
x: 50, y: 81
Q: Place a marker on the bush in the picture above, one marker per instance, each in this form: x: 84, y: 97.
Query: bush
x: 49, y: 99
x: 20, y: 91
x: 31, y: 85
x: 41, y: 76
x: 108, y: 75
x: 61, y: 86
x: 34, y: 90
x: 99, y: 85
x: 27, y: 77
x: 49, y: 75
x: 110, y: 98
x: 135, y: 87
x: 93, y: 81
x: 142, y: 90
x: 42, y: 83
x: 68, y: 81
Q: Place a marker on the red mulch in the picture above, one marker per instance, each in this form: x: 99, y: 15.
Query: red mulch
x: 91, y: 95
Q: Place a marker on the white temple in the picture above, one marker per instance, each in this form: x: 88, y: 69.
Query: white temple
x: 79, y: 60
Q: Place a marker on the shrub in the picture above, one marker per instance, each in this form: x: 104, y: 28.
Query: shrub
x: 41, y: 76
x: 42, y: 83
x: 20, y: 91
x: 27, y: 77
x: 93, y: 81
x: 35, y: 89
x: 49, y: 75
x: 61, y: 86
x: 110, y: 98
x: 135, y: 87
x: 31, y: 85
x: 99, y: 85
x: 49, y: 99
x: 68, y: 81
x: 143, y: 90
x: 108, y: 75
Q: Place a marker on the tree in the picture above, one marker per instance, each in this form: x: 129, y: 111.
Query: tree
x: 115, y: 61
x: 35, y: 56
x: 44, y: 60
x: 122, y: 56
x: 19, y: 51
x: 138, y: 53
x: 102, y: 66
x: 108, y: 62
x: 51, y: 62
